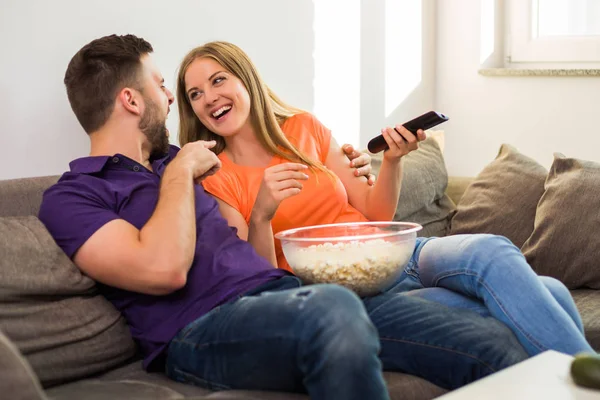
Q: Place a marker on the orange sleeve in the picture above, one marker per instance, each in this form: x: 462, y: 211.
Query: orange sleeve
x: 323, y: 137
x: 309, y: 135
x: 226, y: 187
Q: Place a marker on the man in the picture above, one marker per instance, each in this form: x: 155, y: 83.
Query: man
x: 200, y: 302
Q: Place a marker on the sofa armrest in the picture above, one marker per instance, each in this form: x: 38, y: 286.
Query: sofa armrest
x: 17, y: 379
x: 457, y: 186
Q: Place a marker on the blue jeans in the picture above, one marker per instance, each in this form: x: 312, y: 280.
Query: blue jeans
x: 325, y: 340
x: 489, y: 275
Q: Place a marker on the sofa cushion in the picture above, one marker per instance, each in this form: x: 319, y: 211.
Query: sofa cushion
x: 588, y: 304
x: 400, y: 386
x: 21, y: 197
x: 93, y: 389
x: 457, y: 185
x: 423, y: 197
x: 51, y: 311
x: 133, y: 372
x: 17, y: 380
x: 565, y: 243
x: 503, y: 198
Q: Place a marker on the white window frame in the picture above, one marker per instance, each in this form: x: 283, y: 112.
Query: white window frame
x: 523, y: 47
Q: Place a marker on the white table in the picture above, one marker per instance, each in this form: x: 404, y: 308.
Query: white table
x: 545, y: 376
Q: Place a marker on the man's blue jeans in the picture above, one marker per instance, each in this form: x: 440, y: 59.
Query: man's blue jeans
x: 325, y: 340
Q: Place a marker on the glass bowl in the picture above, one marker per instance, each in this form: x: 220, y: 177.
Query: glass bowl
x: 366, y: 257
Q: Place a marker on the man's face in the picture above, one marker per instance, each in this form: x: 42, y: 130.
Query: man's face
x: 153, y: 124
x: 157, y: 99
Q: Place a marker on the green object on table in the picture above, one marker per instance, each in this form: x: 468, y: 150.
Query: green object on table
x: 585, y: 370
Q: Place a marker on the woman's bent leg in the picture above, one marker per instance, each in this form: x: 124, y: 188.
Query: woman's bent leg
x: 492, y: 269
x: 456, y: 300
x: 562, y: 295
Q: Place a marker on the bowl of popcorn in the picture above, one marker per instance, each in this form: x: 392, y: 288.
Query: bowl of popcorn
x: 366, y: 257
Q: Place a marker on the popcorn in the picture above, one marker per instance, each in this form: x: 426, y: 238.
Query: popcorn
x: 366, y: 267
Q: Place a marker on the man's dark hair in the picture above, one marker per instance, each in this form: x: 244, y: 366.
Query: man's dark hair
x: 98, y: 72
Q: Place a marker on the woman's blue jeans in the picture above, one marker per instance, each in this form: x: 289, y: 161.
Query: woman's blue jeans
x: 489, y: 275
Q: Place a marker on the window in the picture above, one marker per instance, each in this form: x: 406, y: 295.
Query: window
x: 554, y: 31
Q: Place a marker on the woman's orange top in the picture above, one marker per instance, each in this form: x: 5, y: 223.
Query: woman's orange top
x: 321, y: 201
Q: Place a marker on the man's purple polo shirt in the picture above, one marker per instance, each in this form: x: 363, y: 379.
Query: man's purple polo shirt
x: 100, y: 189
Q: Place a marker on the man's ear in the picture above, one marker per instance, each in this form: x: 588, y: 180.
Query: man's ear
x: 130, y: 100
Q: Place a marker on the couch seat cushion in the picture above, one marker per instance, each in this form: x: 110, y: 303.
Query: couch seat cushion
x: 92, y: 389
x: 588, y: 304
x: 17, y: 380
x: 119, y: 383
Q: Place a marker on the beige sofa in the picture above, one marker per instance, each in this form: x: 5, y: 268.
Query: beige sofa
x: 126, y: 380
x: 37, y: 371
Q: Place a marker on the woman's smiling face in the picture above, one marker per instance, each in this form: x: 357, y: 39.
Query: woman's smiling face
x: 219, y: 99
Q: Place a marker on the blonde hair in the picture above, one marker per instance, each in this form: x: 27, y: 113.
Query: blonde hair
x: 267, y: 111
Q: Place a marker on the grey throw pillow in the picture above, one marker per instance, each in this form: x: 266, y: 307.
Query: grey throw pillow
x: 423, y: 196
x: 51, y: 311
x: 564, y: 243
x: 503, y: 198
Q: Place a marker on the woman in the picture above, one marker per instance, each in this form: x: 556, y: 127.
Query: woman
x: 271, y: 152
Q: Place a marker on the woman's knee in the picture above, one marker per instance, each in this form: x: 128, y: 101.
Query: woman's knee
x: 488, y: 244
x: 492, y: 250
x: 461, y: 249
x: 558, y: 289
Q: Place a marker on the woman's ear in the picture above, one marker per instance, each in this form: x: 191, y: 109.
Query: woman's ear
x: 130, y: 100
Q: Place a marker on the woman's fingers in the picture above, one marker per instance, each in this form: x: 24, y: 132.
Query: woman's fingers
x: 286, y: 167
x: 285, y: 175
x: 394, y: 140
x: 289, y: 193
x: 287, y: 184
x: 405, y: 134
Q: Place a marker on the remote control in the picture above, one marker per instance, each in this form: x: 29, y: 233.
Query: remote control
x: 425, y: 121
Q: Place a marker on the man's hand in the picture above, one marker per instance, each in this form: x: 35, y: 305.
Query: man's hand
x: 198, y: 159
x: 360, y: 161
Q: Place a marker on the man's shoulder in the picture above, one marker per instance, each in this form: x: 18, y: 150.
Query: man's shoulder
x: 70, y: 188
x: 173, y: 150
x: 75, y: 182
x: 75, y: 207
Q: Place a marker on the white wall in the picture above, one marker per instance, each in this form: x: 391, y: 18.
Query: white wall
x: 373, y: 84
x: 39, y: 134
x: 538, y: 115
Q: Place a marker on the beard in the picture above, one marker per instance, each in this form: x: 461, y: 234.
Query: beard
x: 155, y: 129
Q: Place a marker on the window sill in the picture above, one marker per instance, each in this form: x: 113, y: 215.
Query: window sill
x: 538, y: 72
